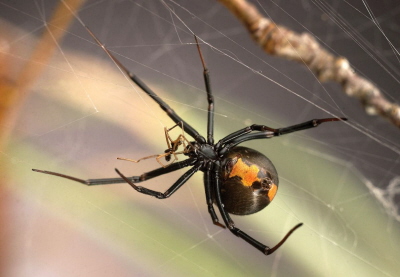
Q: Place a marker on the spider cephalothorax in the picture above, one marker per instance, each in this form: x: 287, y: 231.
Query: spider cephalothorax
x: 238, y: 180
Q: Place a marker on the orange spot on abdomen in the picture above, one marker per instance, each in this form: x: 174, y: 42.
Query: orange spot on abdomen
x: 248, y: 174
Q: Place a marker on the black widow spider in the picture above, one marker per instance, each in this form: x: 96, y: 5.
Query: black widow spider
x: 238, y: 180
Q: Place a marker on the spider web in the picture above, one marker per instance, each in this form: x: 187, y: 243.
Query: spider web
x: 80, y: 113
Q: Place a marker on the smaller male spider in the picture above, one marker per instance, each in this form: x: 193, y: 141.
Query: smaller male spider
x: 239, y: 180
x: 171, y: 151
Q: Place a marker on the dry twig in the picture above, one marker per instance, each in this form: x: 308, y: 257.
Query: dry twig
x: 304, y: 48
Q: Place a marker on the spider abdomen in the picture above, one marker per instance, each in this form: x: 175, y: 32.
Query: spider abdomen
x: 249, y: 181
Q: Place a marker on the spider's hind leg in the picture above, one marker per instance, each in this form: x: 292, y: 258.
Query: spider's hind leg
x: 231, y: 225
x: 208, y: 185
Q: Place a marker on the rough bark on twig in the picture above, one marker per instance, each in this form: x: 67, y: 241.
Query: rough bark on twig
x: 304, y: 48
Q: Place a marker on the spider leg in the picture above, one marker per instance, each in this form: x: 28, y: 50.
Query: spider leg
x: 231, y: 225
x: 135, y: 179
x: 210, y: 97
x: 164, y: 106
x: 303, y: 126
x: 180, y: 182
x: 208, y: 189
x: 242, y: 135
x: 137, y: 161
x: 238, y: 133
